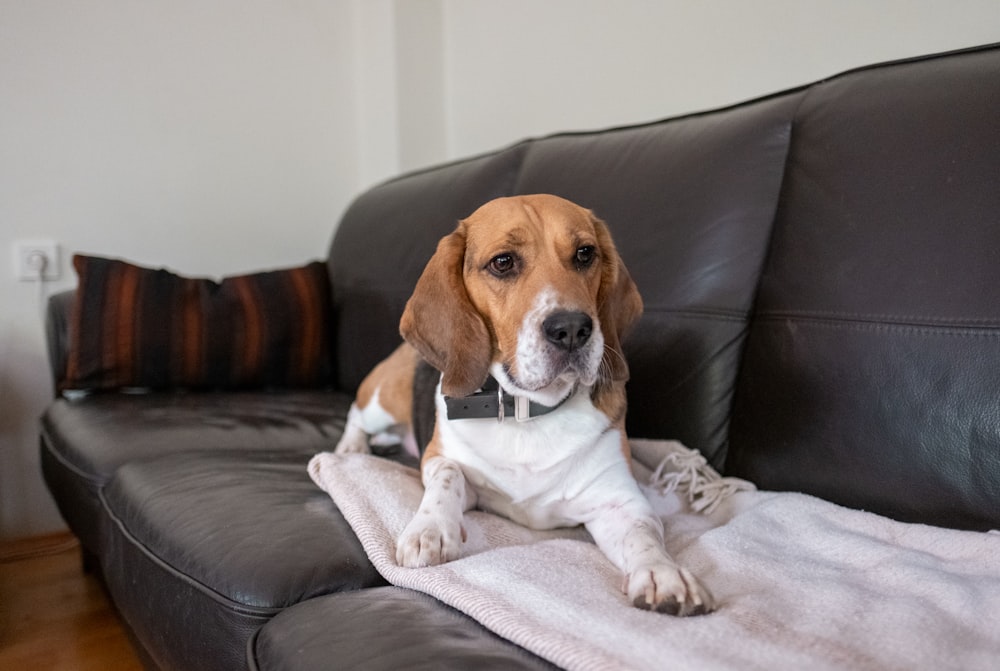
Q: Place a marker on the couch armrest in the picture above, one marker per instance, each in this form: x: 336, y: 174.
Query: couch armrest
x: 57, y: 318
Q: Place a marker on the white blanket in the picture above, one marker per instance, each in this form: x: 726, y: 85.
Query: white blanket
x: 801, y: 583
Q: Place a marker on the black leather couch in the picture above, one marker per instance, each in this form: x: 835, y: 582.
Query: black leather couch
x: 820, y: 269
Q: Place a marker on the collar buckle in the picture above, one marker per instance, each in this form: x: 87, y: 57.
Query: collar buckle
x: 522, y: 408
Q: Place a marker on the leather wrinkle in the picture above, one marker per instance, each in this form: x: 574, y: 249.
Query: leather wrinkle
x: 697, y: 371
x: 718, y: 314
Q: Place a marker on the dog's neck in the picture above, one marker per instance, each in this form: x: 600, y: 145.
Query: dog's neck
x: 493, y: 402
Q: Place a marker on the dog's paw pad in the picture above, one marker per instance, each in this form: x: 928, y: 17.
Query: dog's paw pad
x: 671, y: 606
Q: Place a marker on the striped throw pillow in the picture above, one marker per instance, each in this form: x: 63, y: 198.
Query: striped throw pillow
x: 141, y: 327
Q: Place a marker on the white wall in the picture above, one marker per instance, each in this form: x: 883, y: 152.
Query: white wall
x: 210, y: 136
x: 527, y: 67
x: 220, y: 136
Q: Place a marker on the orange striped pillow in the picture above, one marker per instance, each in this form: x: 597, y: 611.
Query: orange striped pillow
x: 140, y: 327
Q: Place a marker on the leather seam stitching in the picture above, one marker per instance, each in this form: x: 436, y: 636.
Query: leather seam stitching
x: 953, y: 329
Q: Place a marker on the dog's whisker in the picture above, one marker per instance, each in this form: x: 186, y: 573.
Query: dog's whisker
x: 604, y: 370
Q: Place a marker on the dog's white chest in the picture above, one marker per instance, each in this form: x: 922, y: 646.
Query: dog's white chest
x: 541, y: 473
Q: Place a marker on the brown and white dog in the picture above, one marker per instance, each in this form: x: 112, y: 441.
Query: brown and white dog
x: 531, y: 291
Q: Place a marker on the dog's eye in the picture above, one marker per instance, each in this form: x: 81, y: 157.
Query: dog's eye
x: 501, y: 264
x: 585, y: 256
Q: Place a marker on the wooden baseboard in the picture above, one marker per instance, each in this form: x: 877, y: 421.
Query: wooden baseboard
x: 37, y: 546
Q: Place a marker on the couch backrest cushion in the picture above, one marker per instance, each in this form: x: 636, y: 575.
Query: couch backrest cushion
x: 690, y: 203
x: 873, y: 363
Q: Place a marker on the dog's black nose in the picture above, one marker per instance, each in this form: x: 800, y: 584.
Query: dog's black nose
x: 568, y: 330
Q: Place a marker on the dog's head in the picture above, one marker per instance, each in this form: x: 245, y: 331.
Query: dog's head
x: 530, y: 289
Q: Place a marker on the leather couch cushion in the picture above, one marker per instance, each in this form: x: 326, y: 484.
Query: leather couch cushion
x: 140, y: 327
x: 84, y: 441
x: 425, y: 634
x: 872, y: 364
x: 238, y: 535
x: 253, y: 528
x: 94, y: 435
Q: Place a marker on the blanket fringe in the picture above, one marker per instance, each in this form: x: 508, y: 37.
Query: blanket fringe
x: 686, y: 471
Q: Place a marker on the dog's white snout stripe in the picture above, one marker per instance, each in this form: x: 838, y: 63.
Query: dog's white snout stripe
x: 549, y: 331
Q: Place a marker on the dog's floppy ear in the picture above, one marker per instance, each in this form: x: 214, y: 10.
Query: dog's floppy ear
x: 442, y: 324
x: 619, y: 305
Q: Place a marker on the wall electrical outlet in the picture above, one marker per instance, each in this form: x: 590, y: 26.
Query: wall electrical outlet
x: 34, y: 259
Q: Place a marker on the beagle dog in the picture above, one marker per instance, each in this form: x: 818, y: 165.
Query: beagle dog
x: 523, y: 309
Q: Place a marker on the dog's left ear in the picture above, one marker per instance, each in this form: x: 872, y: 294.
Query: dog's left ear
x: 619, y: 304
x: 443, y: 325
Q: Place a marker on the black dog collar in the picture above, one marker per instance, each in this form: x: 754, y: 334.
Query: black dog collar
x: 493, y: 401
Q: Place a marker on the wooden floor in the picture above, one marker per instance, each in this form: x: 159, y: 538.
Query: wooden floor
x: 52, y: 615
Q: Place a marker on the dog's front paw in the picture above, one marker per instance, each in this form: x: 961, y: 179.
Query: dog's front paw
x: 666, y: 588
x: 429, y: 542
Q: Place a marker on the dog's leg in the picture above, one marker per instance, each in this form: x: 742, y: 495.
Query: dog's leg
x: 381, y: 412
x: 362, y: 423
x: 631, y: 536
x: 435, y: 534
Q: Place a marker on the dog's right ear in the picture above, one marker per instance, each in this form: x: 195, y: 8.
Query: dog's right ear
x: 443, y: 325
